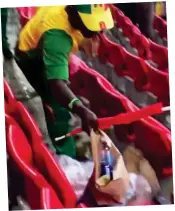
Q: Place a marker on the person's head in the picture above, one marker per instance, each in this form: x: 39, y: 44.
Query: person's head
x: 90, y: 18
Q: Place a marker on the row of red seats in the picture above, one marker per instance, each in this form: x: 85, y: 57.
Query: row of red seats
x: 146, y: 48
x: 161, y: 26
x: 32, y: 158
x: 149, y: 135
x: 145, y: 77
x: 143, y: 74
x: 46, y: 186
x: 39, y: 193
x: 155, y: 143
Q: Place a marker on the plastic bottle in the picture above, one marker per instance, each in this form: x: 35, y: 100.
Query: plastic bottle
x: 106, y: 163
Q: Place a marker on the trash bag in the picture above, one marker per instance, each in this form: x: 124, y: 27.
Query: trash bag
x: 108, y: 191
x: 78, y: 173
x: 129, y: 185
x: 136, y: 163
x: 140, y: 191
x: 21, y: 204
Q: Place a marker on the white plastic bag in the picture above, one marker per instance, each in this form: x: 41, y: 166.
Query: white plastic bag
x: 22, y: 204
x: 140, y: 190
x: 77, y: 173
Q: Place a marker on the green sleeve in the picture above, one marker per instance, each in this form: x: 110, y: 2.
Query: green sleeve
x: 56, y: 46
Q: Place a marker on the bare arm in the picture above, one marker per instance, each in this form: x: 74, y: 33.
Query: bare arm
x: 63, y: 95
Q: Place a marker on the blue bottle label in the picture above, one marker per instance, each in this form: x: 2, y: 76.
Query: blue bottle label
x: 107, y: 163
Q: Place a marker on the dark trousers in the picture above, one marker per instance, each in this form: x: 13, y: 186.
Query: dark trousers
x: 141, y: 14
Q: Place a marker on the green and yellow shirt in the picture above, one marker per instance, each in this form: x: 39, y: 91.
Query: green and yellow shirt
x: 50, y: 35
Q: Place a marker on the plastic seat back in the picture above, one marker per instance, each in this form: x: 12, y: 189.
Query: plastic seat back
x: 158, y: 84
x: 127, y: 27
x: 161, y: 26
x: 134, y: 36
x: 49, y: 167
x: 17, y: 144
x: 159, y: 55
x: 45, y: 161
x: 154, y: 141
x: 111, y: 52
x: 26, y: 13
x: 142, y: 44
x: 9, y: 99
x: 135, y: 68
x: 36, y: 188
x: 118, y: 17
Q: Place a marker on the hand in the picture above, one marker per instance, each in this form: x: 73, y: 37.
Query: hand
x: 89, y: 119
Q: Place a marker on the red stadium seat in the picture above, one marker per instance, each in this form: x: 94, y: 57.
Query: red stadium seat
x: 158, y: 84
x: 161, y: 26
x: 137, y: 40
x: 146, y: 48
x: 143, y: 47
x: 119, y: 17
x: 134, y: 35
x: 27, y: 123
x: 155, y: 141
x: 111, y: 52
x: 39, y: 193
x: 9, y: 99
x: 159, y: 55
x: 135, y: 68
x: 45, y: 162
x: 8, y: 94
x: 26, y: 13
x: 51, y: 170
x: 127, y: 27
x: 141, y: 43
